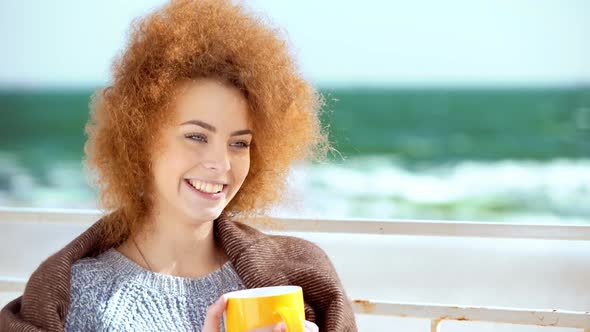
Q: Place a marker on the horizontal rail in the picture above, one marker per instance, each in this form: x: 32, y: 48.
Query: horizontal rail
x: 12, y: 285
x: 437, y: 313
x: 354, y: 226
x: 68, y: 216
x: 433, y: 312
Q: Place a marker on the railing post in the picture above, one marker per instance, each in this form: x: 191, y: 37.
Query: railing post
x: 435, y: 325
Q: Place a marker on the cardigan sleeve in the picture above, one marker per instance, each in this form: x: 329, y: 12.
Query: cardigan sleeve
x: 11, y: 322
x: 322, y: 289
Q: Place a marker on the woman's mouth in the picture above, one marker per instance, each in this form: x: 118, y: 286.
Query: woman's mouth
x: 207, y: 190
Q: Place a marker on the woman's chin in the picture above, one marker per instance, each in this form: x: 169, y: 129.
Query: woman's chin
x: 199, y: 215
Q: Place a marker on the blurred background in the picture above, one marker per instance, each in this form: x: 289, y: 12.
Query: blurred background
x: 454, y: 110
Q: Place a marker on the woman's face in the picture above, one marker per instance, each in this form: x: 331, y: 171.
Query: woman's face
x: 204, y: 156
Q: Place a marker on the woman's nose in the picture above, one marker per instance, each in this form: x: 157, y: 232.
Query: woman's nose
x: 217, y: 159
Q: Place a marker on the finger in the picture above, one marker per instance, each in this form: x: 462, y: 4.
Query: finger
x: 280, y: 327
x: 214, y: 313
x: 310, y: 327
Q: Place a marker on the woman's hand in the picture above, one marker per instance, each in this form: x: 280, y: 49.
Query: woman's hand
x: 309, y: 327
x: 215, y: 311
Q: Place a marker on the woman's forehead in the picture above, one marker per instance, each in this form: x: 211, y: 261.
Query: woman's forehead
x: 210, y: 100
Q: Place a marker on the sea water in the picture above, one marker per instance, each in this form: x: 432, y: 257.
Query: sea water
x: 494, y: 154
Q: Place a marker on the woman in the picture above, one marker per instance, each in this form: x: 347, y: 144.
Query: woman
x: 204, y: 116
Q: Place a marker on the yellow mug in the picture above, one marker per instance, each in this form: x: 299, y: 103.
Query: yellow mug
x: 259, y: 309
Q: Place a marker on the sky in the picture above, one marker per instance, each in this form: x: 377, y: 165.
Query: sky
x: 71, y: 43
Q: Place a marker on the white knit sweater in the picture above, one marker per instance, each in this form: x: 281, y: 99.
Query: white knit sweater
x: 112, y: 293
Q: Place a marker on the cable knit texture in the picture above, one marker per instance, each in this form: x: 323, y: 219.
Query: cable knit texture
x: 259, y: 259
x: 113, y: 293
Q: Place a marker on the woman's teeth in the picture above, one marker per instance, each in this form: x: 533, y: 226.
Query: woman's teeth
x: 205, y: 187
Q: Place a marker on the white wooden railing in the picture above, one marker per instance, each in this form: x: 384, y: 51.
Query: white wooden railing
x: 436, y: 313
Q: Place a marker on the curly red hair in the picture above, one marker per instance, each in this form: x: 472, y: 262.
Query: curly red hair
x: 187, y: 40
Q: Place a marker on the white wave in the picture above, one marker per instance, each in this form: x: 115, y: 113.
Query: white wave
x: 380, y: 187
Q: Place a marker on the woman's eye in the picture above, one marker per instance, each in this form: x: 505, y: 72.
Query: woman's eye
x: 197, y: 137
x: 241, y: 144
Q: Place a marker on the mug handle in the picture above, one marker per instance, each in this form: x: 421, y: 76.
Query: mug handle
x: 291, y: 319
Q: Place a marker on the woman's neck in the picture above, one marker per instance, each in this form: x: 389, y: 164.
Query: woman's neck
x: 170, y: 246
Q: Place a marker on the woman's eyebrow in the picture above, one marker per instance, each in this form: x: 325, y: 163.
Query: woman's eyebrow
x: 241, y: 132
x: 213, y: 129
x: 200, y: 124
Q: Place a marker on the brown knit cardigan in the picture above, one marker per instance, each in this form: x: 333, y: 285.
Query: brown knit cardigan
x: 259, y: 259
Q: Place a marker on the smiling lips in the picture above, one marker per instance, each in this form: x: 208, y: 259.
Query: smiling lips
x: 206, y: 187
